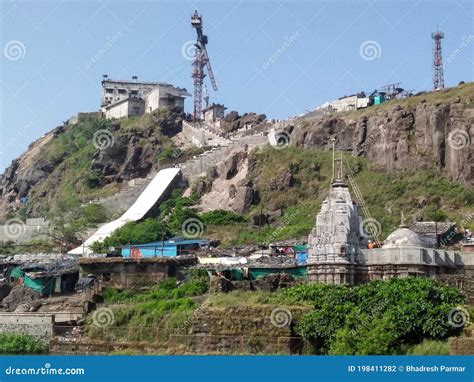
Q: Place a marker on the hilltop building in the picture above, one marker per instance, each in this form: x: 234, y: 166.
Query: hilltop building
x: 132, y: 98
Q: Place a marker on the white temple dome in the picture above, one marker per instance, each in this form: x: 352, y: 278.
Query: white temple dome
x: 403, y: 237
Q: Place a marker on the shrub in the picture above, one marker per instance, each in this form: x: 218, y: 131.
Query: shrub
x: 11, y: 343
x: 221, y: 217
x: 376, y: 318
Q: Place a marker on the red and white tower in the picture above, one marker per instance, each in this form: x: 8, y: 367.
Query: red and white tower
x: 438, y: 75
x: 200, y: 61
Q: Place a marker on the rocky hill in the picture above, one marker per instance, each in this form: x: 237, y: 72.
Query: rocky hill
x: 408, y: 155
x: 429, y: 131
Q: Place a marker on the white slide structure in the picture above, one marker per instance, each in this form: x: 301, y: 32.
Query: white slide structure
x: 147, y: 199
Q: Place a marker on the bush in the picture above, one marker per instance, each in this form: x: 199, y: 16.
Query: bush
x: 380, y: 317
x: 11, y: 343
x: 221, y: 217
x: 94, y: 214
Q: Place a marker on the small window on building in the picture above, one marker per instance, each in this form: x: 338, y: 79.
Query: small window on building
x: 122, y: 91
x: 109, y: 90
x: 134, y: 93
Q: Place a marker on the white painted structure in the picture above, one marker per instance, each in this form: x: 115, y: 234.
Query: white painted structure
x: 128, y: 107
x: 160, y: 184
x: 130, y: 98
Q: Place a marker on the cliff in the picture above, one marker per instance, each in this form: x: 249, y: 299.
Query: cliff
x: 429, y: 131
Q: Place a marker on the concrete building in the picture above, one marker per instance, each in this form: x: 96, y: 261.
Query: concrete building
x: 214, y: 112
x: 347, y: 103
x: 132, y: 98
x: 127, y: 107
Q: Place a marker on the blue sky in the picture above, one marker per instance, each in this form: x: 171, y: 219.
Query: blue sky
x: 280, y: 58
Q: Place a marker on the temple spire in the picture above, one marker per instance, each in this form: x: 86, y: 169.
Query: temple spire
x: 333, y: 139
x: 337, y: 167
x: 402, y: 220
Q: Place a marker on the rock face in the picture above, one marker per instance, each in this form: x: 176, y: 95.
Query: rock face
x: 19, y: 296
x: 227, y: 188
x: 233, y: 121
x: 414, y: 136
x: 133, y: 153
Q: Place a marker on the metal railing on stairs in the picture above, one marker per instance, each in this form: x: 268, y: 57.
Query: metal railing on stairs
x: 370, y: 223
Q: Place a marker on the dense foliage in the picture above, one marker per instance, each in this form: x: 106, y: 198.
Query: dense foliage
x: 221, y: 217
x: 380, y: 317
x: 11, y: 343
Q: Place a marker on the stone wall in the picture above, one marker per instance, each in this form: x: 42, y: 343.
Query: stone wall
x: 463, y: 345
x: 32, y: 229
x: 243, y: 329
x: 200, y: 136
x: 34, y: 324
x: 133, y: 272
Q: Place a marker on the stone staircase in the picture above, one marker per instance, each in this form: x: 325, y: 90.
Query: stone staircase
x: 118, y: 203
x: 121, y: 201
x: 203, y: 135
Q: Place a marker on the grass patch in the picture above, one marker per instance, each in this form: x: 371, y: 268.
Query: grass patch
x: 151, y: 315
x: 429, y: 347
x: 14, y: 344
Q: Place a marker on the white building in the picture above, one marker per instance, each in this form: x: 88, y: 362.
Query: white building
x: 132, y: 98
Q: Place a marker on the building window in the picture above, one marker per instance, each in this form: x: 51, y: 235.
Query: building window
x: 122, y: 91
x: 109, y: 90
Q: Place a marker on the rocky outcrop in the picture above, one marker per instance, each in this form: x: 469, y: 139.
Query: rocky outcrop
x: 131, y: 152
x: 19, y: 296
x: 227, y: 187
x: 233, y: 121
x: 411, y: 135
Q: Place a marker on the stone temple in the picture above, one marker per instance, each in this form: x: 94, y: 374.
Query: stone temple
x: 335, y: 242
x: 338, y: 252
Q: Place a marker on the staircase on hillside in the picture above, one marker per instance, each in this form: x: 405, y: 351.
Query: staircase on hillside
x: 371, y: 223
x: 121, y: 201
